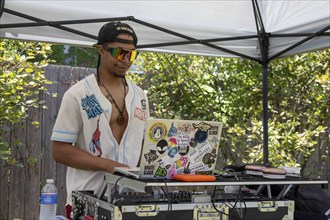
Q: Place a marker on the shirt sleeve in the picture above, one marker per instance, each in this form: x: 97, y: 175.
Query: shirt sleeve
x: 69, y: 121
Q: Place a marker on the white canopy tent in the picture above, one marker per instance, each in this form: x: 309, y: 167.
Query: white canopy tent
x: 260, y: 30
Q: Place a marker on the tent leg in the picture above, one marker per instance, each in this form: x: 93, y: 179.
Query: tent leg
x: 265, y: 110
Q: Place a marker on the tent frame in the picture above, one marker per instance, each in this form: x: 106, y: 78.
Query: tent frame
x: 262, y: 36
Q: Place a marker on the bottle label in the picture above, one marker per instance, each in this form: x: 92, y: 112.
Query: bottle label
x: 48, y: 198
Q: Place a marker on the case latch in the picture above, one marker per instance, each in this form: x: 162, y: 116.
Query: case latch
x: 208, y: 212
x: 146, y: 210
x: 267, y: 206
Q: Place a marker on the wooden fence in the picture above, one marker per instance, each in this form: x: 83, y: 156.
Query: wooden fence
x: 20, y: 186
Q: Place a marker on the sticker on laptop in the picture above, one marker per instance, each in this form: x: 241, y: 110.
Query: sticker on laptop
x: 160, y: 172
x: 198, y: 166
x: 209, y: 158
x: 148, y: 170
x: 162, y: 146
x: 185, y: 128
x: 158, y: 131
x: 214, y: 130
x: 198, y: 153
x: 151, y: 156
x: 172, y: 131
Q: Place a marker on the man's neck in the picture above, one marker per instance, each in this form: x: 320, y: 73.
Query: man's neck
x: 109, y: 79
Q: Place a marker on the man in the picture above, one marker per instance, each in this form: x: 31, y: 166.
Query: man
x: 101, y: 121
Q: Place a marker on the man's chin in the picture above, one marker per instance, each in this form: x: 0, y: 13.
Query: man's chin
x: 119, y: 75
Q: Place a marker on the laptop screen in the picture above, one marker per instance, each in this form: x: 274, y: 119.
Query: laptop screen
x: 179, y: 146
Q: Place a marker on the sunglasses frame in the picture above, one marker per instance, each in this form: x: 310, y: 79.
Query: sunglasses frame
x: 120, y: 53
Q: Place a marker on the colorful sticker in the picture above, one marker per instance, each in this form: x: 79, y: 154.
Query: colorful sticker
x: 92, y: 106
x: 157, y: 131
x: 172, y: 142
x: 172, y: 151
x: 172, y: 131
x: 198, y: 153
x: 182, y: 162
x: 171, y: 172
x: 160, y: 172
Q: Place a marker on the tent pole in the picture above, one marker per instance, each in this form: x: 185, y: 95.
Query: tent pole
x: 265, y: 110
x: 263, y: 38
x: 2, y: 6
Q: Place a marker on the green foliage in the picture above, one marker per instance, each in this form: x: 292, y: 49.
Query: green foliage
x: 230, y: 90
x: 82, y: 56
x: 58, y: 55
x: 21, y: 82
x: 74, y: 56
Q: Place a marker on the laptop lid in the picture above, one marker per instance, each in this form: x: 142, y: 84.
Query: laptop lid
x: 179, y: 146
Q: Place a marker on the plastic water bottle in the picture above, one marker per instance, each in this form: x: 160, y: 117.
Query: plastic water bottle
x: 48, y: 201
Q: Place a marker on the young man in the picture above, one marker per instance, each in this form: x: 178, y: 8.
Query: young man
x: 101, y: 121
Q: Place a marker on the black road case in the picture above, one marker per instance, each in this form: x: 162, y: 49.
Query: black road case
x: 266, y: 209
x: 87, y: 207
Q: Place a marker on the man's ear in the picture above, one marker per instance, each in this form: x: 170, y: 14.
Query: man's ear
x: 101, y: 50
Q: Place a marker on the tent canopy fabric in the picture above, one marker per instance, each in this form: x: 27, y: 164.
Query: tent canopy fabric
x: 224, y: 28
x: 259, y: 30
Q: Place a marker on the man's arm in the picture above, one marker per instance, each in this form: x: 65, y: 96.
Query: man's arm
x: 74, y: 157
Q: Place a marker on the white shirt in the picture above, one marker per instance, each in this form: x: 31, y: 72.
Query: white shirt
x: 83, y: 119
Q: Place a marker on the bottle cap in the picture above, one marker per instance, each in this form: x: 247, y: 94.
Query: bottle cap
x: 49, y: 181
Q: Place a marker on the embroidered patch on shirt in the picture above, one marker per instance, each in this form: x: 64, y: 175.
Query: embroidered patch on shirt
x: 95, y: 143
x: 142, y: 115
x: 92, y: 106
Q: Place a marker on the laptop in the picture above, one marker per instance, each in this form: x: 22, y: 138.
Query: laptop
x: 174, y: 146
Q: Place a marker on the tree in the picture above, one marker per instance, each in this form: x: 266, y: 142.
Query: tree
x: 21, y: 81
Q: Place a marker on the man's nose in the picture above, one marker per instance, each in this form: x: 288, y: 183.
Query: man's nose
x: 126, y: 58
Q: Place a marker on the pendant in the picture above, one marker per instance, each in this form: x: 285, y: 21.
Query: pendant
x: 120, y: 119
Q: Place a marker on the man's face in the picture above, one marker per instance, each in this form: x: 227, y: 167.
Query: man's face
x: 116, y: 67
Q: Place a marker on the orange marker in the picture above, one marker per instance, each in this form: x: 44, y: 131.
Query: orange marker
x: 194, y: 178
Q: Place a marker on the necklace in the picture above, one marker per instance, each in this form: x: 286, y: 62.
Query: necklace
x: 120, y: 118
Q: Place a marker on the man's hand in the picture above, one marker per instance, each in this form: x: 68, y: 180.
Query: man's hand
x: 112, y: 164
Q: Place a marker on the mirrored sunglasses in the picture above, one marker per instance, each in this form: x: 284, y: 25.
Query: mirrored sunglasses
x: 121, y: 54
